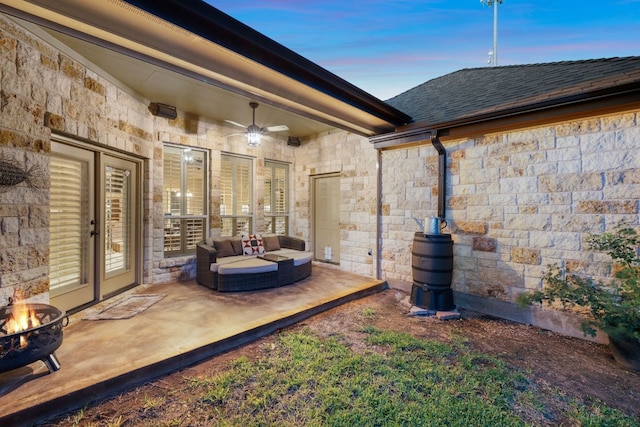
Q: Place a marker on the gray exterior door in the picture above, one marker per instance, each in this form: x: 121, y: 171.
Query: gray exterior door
x: 327, y: 219
x: 94, y: 225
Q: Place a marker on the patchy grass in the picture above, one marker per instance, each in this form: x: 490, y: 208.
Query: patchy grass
x: 397, y: 380
x: 368, y: 312
x: 382, y: 378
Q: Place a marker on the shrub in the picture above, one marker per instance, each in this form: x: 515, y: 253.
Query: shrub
x: 613, y: 307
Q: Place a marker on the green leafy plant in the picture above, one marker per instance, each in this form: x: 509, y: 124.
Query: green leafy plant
x: 613, y: 307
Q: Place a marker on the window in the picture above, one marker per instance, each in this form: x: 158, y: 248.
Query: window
x: 276, y: 198
x: 236, y: 195
x: 184, y: 199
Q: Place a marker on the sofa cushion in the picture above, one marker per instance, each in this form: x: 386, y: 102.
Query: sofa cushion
x: 247, y: 266
x: 227, y: 260
x: 299, y: 257
x: 236, y: 242
x: 223, y: 248
x: 271, y: 243
x: 252, y: 244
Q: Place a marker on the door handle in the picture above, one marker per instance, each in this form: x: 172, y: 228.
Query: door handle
x: 93, y: 232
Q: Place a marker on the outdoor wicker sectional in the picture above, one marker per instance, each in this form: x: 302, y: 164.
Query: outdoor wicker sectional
x: 226, y: 266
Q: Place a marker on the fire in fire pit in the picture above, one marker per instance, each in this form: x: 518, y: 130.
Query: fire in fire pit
x: 28, y: 333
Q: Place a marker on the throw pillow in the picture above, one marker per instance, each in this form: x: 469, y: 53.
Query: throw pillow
x: 236, y: 242
x: 252, y: 244
x: 271, y: 243
x: 223, y: 248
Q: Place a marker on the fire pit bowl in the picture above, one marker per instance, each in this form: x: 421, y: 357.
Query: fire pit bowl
x: 36, y: 343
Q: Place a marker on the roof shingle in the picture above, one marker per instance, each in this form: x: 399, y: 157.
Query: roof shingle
x: 479, y: 91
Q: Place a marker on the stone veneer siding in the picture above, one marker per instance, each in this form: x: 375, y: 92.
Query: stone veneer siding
x: 516, y: 202
x: 353, y: 158
x: 44, y: 92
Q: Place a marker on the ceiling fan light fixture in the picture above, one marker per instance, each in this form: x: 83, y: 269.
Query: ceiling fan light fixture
x: 254, y: 136
x: 254, y: 133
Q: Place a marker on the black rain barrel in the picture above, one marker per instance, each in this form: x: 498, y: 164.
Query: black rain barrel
x: 432, y: 266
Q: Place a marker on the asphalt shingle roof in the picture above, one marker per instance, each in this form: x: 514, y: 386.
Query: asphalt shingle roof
x: 482, y: 91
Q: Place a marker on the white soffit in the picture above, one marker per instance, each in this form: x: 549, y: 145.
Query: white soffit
x: 119, y: 24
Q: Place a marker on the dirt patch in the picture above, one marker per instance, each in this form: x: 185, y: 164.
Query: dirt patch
x: 576, y: 368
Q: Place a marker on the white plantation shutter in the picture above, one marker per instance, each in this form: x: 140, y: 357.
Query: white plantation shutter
x: 196, y: 184
x: 243, y: 187
x: 268, y: 185
x: 280, y: 189
x: 69, y: 222
x: 226, y: 187
x: 185, y: 199
x: 172, y: 176
x: 117, y: 184
x: 236, y: 199
x: 276, y: 206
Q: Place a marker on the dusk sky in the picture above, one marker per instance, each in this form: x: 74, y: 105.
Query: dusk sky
x: 386, y: 47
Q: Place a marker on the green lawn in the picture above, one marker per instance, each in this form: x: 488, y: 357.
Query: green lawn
x: 366, y: 377
x: 394, y: 380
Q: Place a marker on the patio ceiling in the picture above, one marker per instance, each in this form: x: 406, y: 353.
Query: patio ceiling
x: 204, y: 63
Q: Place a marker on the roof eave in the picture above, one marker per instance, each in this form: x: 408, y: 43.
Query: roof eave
x: 197, y: 40
x: 212, y: 24
x: 611, y: 99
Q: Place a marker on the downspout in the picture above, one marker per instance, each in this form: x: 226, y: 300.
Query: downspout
x: 442, y: 173
x: 381, y: 142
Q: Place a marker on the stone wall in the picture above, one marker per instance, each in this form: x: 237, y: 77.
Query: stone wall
x: 516, y: 202
x: 354, y: 159
x: 45, y: 92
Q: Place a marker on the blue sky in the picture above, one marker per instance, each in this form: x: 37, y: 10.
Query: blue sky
x: 386, y: 47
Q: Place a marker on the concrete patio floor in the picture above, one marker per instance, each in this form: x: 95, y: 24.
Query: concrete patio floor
x: 191, y: 323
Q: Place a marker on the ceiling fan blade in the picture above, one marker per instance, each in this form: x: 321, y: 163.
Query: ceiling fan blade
x: 279, y: 128
x: 235, y: 123
x: 235, y: 134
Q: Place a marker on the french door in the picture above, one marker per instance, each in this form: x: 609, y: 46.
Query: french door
x: 94, y: 219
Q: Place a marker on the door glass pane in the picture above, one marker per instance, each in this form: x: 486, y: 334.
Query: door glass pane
x: 69, y: 224
x: 117, y: 219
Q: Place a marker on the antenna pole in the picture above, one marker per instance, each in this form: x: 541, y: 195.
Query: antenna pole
x: 495, y: 33
x: 494, y: 53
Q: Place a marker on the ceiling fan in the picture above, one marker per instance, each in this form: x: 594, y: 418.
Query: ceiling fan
x: 254, y: 132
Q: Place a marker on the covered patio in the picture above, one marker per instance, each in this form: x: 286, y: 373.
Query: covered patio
x: 190, y: 323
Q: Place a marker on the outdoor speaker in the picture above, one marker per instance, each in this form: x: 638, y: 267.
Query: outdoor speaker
x: 163, y: 110
x: 293, y: 141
